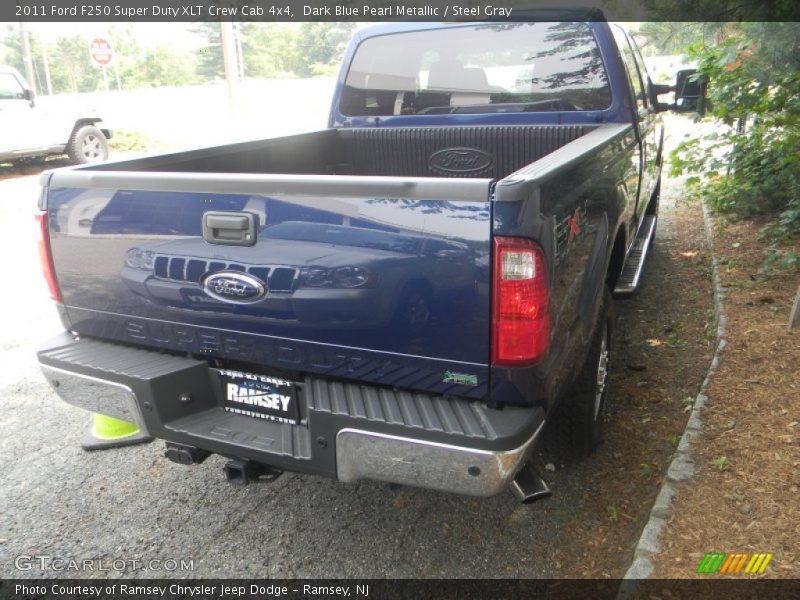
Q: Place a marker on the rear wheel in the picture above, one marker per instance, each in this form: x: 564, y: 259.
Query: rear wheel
x: 87, y: 145
x: 576, y: 427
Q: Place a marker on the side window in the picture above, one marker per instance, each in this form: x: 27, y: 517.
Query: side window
x: 633, y: 72
x: 645, y: 75
x: 10, y: 87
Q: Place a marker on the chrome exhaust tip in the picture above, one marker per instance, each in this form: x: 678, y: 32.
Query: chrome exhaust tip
x: 528, y: 486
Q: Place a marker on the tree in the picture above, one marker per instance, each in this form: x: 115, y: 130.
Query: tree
x: 320, y: 46
x: 210, y: 65
x: 268, y: 49
x: 752, y: 166
x: 140, y: 66
x: 12, y: 40
x: 71, y: 69
x: 667, y: 38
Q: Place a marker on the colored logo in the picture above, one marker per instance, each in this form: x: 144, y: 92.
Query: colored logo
x: 460, y: 160
x: 234, y: 287
x: 572, y: 223
x: 461, y: 378
x: 718, y: 563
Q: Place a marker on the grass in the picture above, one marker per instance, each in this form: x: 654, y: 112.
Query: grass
x: 721, y: 463
x: 676, y: 335
x: 133, y: 141
x: 613, y: 512
x: 710, y: 332
x: 743, y: 284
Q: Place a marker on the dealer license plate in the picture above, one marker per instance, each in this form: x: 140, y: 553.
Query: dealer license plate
x: 259, y: 396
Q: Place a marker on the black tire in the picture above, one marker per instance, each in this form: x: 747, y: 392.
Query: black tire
x: 413, y: 314
x: 576, y: 427
x: 87, y: 145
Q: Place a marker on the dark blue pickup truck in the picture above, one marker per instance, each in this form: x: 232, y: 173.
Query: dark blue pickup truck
x: 407, y: 296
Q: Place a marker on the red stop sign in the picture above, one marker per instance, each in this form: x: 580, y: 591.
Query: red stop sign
x: 101, y: 51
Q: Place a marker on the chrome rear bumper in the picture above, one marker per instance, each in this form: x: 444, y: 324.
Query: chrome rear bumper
x: 347, y: 431
x: 456, y: 469
x: 95, y: 395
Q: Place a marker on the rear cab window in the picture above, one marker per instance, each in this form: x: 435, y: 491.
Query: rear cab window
x: 486, y: 68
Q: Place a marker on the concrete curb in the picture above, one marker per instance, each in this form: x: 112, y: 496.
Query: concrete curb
x: 682, y: 466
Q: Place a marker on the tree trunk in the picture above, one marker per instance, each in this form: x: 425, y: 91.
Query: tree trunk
x: 794, y: 317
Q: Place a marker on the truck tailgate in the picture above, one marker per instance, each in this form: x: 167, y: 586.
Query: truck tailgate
x: 376, y: 279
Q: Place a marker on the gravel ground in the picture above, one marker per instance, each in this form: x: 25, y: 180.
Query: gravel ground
x: 132, y: 504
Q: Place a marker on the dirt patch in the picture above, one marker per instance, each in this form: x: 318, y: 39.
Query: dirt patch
x: 121, y: 148
x: 663, y: 344
x: 31, y: 166
x: 745, y: 496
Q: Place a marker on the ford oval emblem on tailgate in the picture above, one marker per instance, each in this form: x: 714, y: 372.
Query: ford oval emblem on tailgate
x: 234, y: 287
x: 460, y: 160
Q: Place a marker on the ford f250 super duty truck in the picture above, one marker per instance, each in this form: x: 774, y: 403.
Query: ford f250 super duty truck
x: 407, y: 296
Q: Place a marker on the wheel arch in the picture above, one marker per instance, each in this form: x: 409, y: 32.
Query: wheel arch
x: 82, y: 122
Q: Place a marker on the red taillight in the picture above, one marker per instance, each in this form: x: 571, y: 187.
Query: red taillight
x: 46, y: 256
x: 520, y: 312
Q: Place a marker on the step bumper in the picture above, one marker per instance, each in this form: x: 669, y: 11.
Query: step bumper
x: 347, y: 431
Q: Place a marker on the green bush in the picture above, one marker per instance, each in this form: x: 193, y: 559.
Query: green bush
x: 751, y: 165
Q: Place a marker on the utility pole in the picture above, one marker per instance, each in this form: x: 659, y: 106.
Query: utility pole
x: 46, y: 61
x: 237, y: 30
x: 26, y: 56
x: 230, y: 59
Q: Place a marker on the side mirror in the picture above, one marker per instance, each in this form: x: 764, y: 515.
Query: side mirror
x: 660, y: 88
x: 29, y: 95
x: 656, y: 90
x: 690, y: 91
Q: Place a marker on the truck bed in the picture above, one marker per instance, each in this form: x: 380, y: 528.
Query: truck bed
x: 472, y: 152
